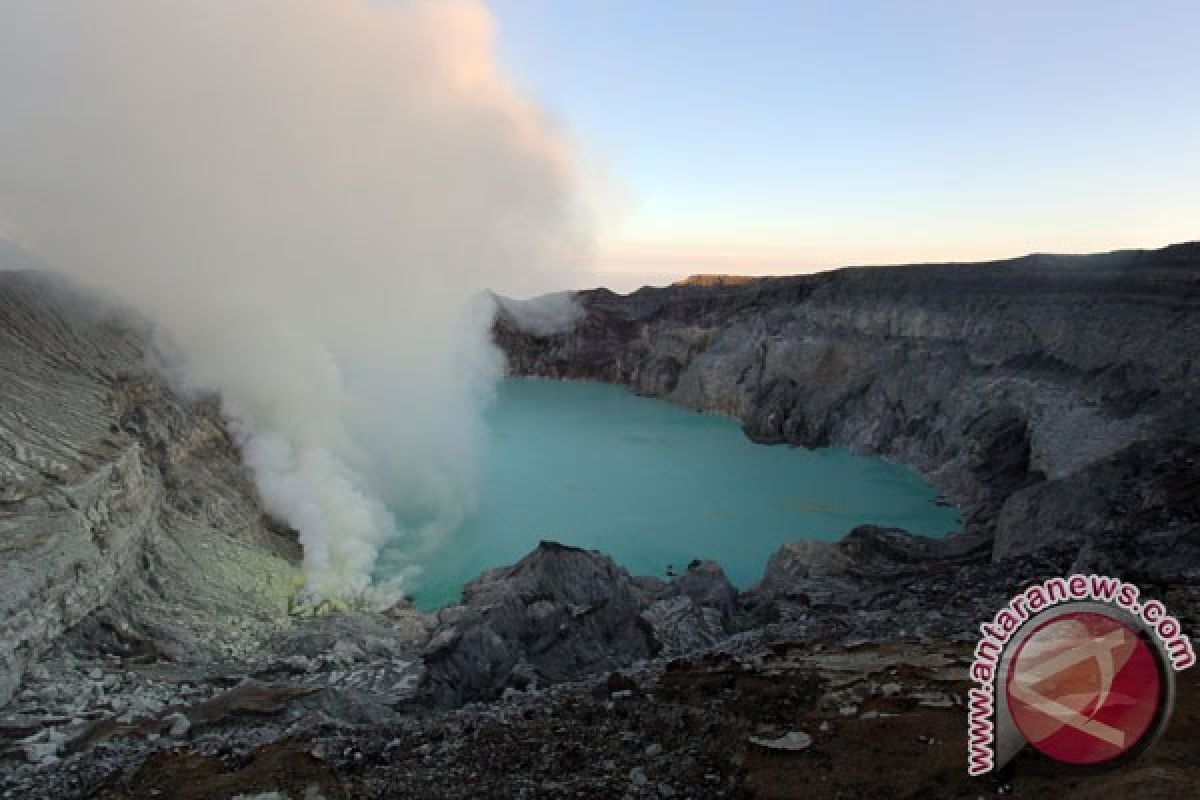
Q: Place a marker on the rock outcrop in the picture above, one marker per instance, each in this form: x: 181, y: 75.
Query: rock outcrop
x: 561, y: 613
x: 1010, y: 385
x: 120, y: 501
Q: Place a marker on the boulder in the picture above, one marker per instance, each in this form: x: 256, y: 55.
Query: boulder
x: 705, y: 584
x: 560, y: 612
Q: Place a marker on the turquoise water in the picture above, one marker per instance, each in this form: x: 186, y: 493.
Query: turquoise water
x: 653, y: 485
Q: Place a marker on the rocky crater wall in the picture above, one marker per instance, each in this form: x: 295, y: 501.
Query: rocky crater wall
x: 119, y: 498
x: 1013, y: 386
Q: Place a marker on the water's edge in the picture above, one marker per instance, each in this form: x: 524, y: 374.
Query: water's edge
x: 656, y: 487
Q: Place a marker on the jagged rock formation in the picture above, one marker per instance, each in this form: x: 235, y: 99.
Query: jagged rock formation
x: 119, y: 498
x: 857, y: 648
x: 1007, y: 384
x: 562, y: 612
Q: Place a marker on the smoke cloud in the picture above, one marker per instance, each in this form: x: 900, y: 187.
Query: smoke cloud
x: 308, y: 195
x: 546, y: 314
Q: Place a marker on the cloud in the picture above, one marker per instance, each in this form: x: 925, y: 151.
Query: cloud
x: 550, y: 313
x: 307, y: 195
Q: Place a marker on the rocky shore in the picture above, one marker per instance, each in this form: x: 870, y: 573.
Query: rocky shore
x: 1051, y: 398
x: 148, y: 646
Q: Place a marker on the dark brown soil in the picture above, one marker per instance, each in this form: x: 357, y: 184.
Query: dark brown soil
x: 703, y: 714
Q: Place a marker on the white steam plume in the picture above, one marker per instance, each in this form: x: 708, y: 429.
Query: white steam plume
x: 307, y: 194
x: 550, y: 313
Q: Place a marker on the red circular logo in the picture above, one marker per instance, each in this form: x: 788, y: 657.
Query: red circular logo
x: 1084, y: 688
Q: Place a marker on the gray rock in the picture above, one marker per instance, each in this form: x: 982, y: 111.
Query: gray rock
x: 180, y: 725
x: 44, y: 748
x: 791, y: 741
x: 1137, y: 506
x: 704, y: 582
x: 125, y: 504
x: 561, y: 611
x: 348, y: 652
x: 681, y: 625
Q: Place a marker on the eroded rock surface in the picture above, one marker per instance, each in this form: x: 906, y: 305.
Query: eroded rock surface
x: 1003, y: 383
x: 560, y: 612
x: 119, y: 496
x: 139, y: 569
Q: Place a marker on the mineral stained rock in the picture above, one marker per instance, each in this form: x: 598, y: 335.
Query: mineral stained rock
x: 119, y: 498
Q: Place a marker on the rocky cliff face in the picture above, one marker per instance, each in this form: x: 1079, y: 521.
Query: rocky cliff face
x: 561, y: 613
x: 1010, y: 385
x: 119, y: 499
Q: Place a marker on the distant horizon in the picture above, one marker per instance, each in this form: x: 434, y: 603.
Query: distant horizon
x: 628, y: 281
x: 12, y: 256
x: 787, y: 138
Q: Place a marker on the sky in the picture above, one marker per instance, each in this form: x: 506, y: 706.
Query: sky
x: 780, y: 137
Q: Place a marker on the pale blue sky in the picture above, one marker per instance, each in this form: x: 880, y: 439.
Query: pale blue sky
x: 783, y: 136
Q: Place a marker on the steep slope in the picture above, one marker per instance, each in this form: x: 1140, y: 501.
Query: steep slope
x: 1011, y: 385
x: 119, y: 497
